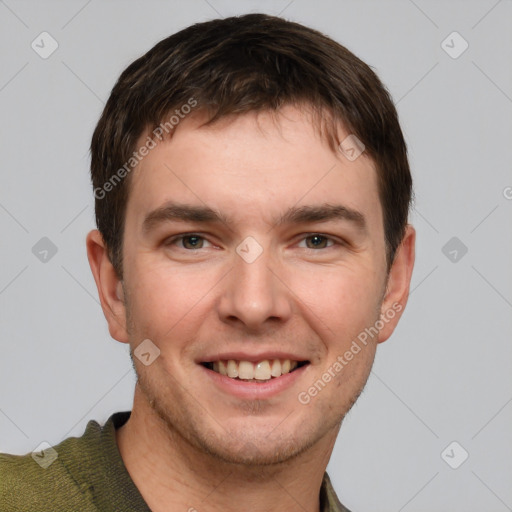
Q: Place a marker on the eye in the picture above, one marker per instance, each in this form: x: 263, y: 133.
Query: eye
x: 188, y: 241
x: 318, y: 241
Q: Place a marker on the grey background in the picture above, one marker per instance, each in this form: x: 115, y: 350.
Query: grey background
x: 445, y: 375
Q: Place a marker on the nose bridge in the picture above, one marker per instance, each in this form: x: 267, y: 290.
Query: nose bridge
x: 254, y: 294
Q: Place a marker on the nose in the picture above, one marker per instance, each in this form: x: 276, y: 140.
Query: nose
x: 255, y: 294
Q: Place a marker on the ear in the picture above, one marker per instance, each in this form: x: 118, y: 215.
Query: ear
x: 397, y: 288
x: 110, y: 288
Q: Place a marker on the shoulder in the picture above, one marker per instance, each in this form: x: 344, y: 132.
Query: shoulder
x: 43, y: 481
x: 26, y: 486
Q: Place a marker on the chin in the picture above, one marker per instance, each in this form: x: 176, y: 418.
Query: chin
x: 258, y: 451
x: 246, y: 441
x: 249, y: 435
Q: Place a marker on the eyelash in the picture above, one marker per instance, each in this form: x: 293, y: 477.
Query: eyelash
x: 335, y: 241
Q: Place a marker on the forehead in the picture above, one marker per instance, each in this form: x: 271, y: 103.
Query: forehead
x: 252, y: 168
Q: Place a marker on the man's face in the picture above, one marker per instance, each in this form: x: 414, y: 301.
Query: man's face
x: 283, y: 293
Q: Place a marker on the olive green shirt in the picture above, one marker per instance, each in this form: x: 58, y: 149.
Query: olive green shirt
x: 86, y: 474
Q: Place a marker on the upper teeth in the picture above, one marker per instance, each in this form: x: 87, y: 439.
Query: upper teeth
x: 263, y: 370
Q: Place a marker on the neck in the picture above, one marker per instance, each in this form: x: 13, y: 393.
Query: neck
x: 171, y: 474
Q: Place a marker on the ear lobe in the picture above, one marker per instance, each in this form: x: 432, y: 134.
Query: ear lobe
x: 110, y: 289
x: 397, y: 288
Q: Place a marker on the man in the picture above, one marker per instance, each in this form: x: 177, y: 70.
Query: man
x: 252, y: 193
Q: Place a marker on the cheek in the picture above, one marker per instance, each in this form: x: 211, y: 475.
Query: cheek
x: 165, y: 299
x: 340, y: 301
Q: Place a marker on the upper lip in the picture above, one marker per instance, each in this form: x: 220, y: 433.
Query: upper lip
x: 253, y: 358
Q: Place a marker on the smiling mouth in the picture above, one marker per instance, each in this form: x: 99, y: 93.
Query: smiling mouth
x: 262, y: 371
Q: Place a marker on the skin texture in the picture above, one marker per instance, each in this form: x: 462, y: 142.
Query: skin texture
x: 188, y: 443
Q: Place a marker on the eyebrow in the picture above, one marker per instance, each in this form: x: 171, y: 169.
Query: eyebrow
x: 172, y: 211
x: 323, y: 213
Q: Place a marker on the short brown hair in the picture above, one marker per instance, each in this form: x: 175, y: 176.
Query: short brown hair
x: 248, y: 63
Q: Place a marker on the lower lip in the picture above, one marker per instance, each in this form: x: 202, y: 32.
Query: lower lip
x: 255, y: 390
